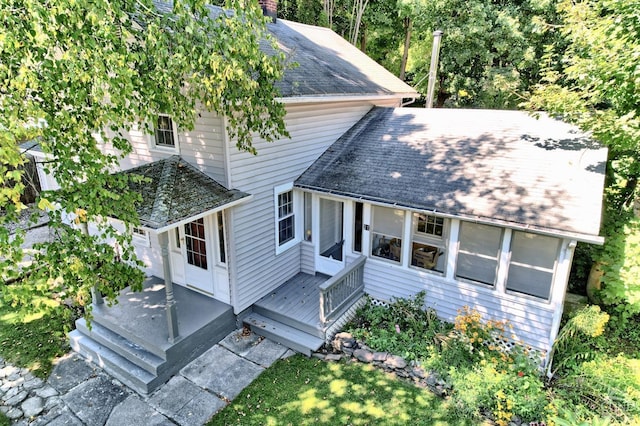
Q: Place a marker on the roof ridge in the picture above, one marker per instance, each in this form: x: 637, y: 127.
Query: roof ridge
x: 163, y: 201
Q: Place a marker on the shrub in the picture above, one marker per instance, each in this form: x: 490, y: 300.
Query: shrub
x: 577, y: 338
x: 403, y: 327
x: 605, y: 386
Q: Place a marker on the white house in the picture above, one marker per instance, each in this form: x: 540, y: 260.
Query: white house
x: 479, y: 208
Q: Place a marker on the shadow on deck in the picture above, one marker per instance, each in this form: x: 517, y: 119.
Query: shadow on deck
x: 130, y: 339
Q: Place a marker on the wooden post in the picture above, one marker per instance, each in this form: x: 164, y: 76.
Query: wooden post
x: 170, y: 306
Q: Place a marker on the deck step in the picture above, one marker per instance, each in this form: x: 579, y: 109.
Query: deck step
x: 133, y: 352
x: 288, y: 336
x: 118, y: 366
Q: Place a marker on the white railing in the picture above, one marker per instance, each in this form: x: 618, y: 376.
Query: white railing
x: 341, y: 289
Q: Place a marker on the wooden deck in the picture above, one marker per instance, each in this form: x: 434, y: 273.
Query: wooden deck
x: 296, y: 302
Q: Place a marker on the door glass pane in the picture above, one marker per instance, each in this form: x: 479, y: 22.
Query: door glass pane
x: 222, y: 253
x: 357, y: 228
x: 196, y: 244
x: 331, y: 229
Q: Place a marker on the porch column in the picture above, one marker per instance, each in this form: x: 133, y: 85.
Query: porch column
x: 170, y: 306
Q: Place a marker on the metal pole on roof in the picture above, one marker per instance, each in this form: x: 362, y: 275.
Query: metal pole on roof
x: 433, y: 68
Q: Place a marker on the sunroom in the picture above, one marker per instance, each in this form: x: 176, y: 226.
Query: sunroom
x: 478, y: 208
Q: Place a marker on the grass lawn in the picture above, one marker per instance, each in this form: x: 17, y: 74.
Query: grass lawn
x: 307, y: 391
x: 34, y: 340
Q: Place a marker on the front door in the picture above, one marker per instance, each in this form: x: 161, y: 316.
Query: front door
x: 330, y: 256
x: 197, y: 255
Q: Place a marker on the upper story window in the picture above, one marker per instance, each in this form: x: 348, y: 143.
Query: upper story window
x: 386, y: 235
x: 532, y: 264
x: 140, y: 236
x: 165, y: 135
x: 479, y: 252
x: 428, y: 245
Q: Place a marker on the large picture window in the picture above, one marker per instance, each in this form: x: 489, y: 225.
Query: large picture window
x: 478, y: 252
x: 532, y: 264
x: 428, y: 245
x: 387, y: 233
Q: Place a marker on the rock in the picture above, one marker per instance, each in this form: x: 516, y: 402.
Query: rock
x: 363, y: 355
x: 32, y: 406
x: 8, y: 370
x: 343, y: 340
x: 33, y: 383
x: 46, y: 391
x: 17, y: 398
x: 333, y: 357
x: 380, y: 356
x: 418, y: 372
x: 14, y: 413
x: 317, y: 355
x: 395, y: 362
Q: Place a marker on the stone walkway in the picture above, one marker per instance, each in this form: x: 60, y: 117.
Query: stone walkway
x: 79, y: 393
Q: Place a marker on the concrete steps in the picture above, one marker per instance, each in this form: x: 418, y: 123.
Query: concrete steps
x: 116, y: 365
x: 133, y: 352
x: 284, y: 334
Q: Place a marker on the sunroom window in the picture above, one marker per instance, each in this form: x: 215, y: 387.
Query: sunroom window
x: 478, y: 252
x: 428, y: 242
x: 386, y: 236
x: 532, y: 265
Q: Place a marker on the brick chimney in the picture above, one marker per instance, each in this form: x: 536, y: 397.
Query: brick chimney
x: 269, y: 8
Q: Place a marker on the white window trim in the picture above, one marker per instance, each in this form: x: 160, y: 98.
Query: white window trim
x: 553, y: 271
x: 166, y: 149
x: 140, y: 238
x: 498, y: 258
x: 297, y: 217
x: 441, y: 242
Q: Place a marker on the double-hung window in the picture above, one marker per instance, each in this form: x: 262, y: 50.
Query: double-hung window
x: 478, y: 253
x: 288, y: 217
x: 165, y: 135
x: 532, y: 264
x: 428, y: 246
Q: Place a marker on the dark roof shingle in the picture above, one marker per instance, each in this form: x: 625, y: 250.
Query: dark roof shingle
x: 495, y: 166
x: 175, y: 191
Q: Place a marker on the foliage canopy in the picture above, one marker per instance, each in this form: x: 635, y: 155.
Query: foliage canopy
x: 88, y: 71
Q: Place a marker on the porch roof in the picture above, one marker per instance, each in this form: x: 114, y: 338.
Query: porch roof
x: 503, y: 167
x: 175, y: 191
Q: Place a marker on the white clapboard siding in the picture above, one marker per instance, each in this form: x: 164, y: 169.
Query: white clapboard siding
x: 307, y: 259
x: 313, y: 128
x: 203, y: 147
x: 531, y: 320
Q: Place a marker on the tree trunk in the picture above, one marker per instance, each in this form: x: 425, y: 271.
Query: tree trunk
x: 359, y: 7
x: 405, y: 51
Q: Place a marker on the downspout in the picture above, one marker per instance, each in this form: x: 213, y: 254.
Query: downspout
x: 433, y: 68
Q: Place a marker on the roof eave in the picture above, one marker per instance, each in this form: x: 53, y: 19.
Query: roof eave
x: 578, y: 236
x: 344, y: 98
x: 167, y: 227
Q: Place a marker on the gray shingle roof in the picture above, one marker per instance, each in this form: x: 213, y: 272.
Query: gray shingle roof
x: 176, y: 191
x: 496, y: 166
x: 327, y: 63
